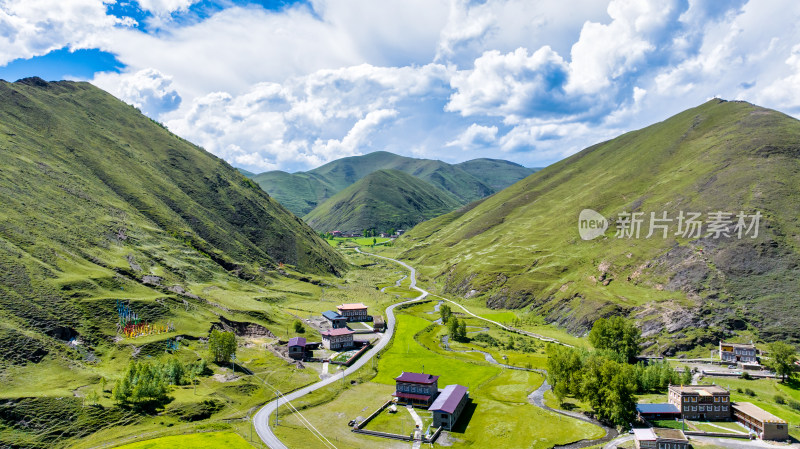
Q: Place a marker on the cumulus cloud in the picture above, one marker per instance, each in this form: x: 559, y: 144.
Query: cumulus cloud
x: 149, y: 90
x: 36, y: 27
x: 475, y: 136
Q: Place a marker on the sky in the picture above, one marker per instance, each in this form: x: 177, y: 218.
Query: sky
x: 290, y: 85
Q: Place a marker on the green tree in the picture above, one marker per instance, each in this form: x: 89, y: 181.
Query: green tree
x: 782, y: 357
x: 143, y: 386
x: 616, y: 334
x: 374, y: 241
x: 445, y: 312
x: 462, y: 331
x: 564, y: 368
x: 298, y: 327
x: 686, y: 377
x: 452, y: 328
x: 221, y: 345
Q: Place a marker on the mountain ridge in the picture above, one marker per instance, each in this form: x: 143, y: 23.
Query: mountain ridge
x: 382, y: 200
x: 717, y: 156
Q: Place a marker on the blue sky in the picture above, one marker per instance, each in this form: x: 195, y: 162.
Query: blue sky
x: 292, y: 85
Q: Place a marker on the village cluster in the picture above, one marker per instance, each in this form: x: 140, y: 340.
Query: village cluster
x: 709, y: 403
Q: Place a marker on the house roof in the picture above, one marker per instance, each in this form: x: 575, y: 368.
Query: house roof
x: 756, y: 412
x: 698, y: 389
x: 416, y: 378
x: 297, y: 341
x: 670, y: 434
x: 337, y: 332
x: 657, y: 408
x: 449, y: 398
x: 331, y: 315
x: 357, y: 306
x: 738, y: 345
x: 644, y: 434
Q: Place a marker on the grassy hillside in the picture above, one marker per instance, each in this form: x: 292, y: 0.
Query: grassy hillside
x: 521, y: 247
x: 101, y: 203
x: 496, y: 173
x: 301, y: 192
x: 383, y: 200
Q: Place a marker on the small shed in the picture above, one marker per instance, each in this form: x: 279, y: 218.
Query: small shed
x: 378, y: 325
x: 297, y: 348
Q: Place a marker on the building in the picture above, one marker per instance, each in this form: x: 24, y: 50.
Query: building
x: 416, y: 388
x: 337, y: 321
x: 448, y: 406
x: 297, y: 348
x: 704, y: 402
x: 764, y: 424
x: 658, y: 438
x: 737, y: 353
x: 337, y: 339
x: 657, y: 411
x: 378, y: 325
x: 353, y: 312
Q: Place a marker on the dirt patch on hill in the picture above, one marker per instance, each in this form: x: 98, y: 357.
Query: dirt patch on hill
x: 242, y: 328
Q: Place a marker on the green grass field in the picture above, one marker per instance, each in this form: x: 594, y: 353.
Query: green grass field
x: 210, y: 440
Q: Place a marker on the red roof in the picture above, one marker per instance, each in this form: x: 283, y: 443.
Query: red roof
x: 420, y: 397
x: 449, y: 399
x: 416, y: 378
x: 337, y: 332
x: 358, y: 306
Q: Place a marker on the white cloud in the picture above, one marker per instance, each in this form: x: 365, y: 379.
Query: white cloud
x: 475, y: 136
x: 148, y: 89
x: 165, y: 7
x: 36, y: 27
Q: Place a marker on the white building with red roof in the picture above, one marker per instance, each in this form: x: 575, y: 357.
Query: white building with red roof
x: 337, y: 339
x: 353, y: 312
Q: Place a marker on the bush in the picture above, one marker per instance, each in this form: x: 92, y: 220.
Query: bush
x: 298, y: 327
x: 779, y: 399
x: 794, y: 405
x: 749, y: 392
x: 739, y: 390
x: 746, y: 376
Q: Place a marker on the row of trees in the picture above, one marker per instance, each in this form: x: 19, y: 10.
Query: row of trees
x: 145, y: 384
x: 782, y: 357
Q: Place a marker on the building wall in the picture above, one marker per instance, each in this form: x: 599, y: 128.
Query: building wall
x: 354, y: 315
x: 443, y: 418
x: 337, y: 341
x: 694, y: 406
x: 672, y: 444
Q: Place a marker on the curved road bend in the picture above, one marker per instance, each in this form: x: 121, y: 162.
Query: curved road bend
x: 261, y: 419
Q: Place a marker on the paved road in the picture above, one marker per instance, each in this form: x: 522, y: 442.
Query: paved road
x: 261, y: 419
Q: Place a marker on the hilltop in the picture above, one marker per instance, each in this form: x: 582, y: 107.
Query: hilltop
x: 383, y: 200
x: 520, y: 248
x: 468, y: 181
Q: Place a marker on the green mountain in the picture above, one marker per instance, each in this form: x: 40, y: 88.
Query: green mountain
x: 521, y: 247
x: 496, y: 173
x: 101, y: 204
x: 383, y: 200
x: 301, y: 192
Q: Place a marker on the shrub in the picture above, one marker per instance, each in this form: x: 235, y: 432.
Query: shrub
x: 749, y: 392
x: 779, y: 399
x: 746, y: 376
x: 794, y: 405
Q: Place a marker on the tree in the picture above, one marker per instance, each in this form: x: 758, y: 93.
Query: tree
x: 686, y: 378
x: 298, y: 327
x: 782, y: 359
x: 564, y: 367
x: 616, y: 334
x: 452, y: 329
x: 462, y: 331
x: 446, y: 312
x: 374, y: 241
x: 222, y: 345
x: 142, y: 386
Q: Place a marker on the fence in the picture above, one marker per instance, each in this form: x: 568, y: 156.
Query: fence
x: 374, y: 414
x: 383, y: 434
x: 433, y: 437
x: 717, y: 434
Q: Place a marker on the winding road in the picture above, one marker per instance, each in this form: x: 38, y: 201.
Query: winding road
x: 261, y: 419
